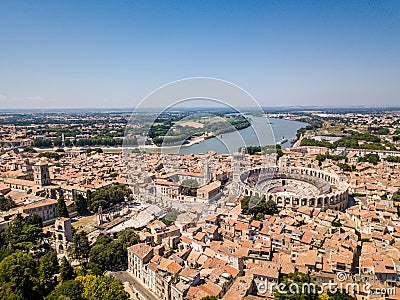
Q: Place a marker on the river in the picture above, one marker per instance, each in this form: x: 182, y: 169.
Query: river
x: 260, y: 133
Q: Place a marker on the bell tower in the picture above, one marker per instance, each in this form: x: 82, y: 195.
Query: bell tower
x: 63, y: 233
x: 41, y: 173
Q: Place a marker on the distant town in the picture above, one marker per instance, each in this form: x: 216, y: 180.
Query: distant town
x: 77, y: 205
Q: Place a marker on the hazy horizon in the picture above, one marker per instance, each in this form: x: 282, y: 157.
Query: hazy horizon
x: 242, y: 108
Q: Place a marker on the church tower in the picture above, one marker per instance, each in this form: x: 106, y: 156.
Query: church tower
x: 41, y: 174
x: 207, y: 172
x: 63, y: 231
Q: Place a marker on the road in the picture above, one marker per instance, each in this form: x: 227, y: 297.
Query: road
x: 142, y: 290
x: 298, y: 142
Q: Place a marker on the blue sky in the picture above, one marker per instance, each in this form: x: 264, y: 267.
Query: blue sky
x: 64, y: 54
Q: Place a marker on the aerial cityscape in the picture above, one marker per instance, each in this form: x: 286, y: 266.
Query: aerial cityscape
x: 124, y: 174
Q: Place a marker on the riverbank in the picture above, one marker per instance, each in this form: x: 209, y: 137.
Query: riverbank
x: 191, y: 142
x: 226, y: 143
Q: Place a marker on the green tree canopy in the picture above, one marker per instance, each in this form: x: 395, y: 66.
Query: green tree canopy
x: 72, y: 289
x: 79, y: 248
x: 295, y: 287
x: 253, y: 205
x: 18, y: 272
x: 48, y: 267
x: 50, y: 155
x: 81, y: 204
x: 189, y: 187
x: 6, y: 202
x: 66, y: 270
x: 107, y: 197
x: 395, y: 159
x: 62, y: 208
x: 102, y: 287
x: 108, y: 254
x: 370, y: 157
x: 22, y: 234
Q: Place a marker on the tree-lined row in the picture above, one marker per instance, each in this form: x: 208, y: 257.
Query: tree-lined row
x: 373, y: 142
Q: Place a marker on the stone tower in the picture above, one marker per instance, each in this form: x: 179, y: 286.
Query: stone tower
x: 63, y: 234
x: 237, y: 160
x: 27, y: 170
x: 99, y: 215
x: 243, y: 151
x: 41, y: 174
x: 207, y: 172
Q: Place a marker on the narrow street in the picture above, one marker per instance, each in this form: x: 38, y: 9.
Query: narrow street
x: 136, y: 285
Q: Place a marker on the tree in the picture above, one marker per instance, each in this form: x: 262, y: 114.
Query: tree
x: 7, y: 293
x: 50, y: 155
x: 297, y: 286
x: 253, y: 205
x: 102, y: 287
x: 35, y: 220
x: 189, y: 187
x: 371, y: 158
x: 62, y: 208
x: 22, y: 234
x: 127, y: 238
x: 107, y: 254
x: 171, y: 216
x: 80, y: 247
x: 6, y: 202
x: 88, y: 197
x: 18, y: 272
x: 395, y: 159
x: 271, y: 207
x: 81, y: 204
x: 4, y: 252
x: 103, y: 257
x: 107, y: 197
x: 48, y: 267
x: 72, y: 289
x: 66, y: 270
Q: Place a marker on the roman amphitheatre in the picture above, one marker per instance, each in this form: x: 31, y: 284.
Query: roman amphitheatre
x: 292, y: 187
